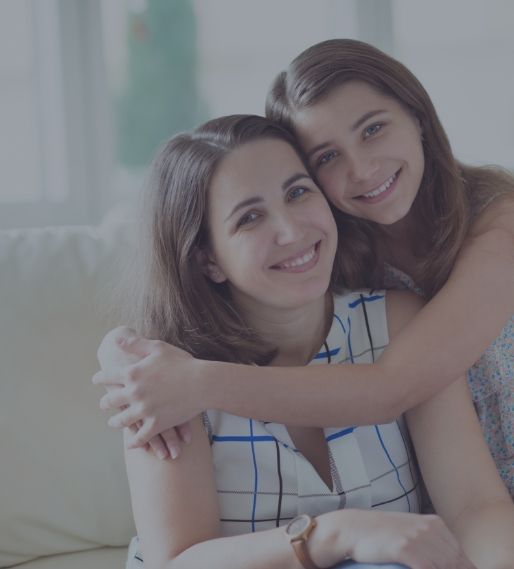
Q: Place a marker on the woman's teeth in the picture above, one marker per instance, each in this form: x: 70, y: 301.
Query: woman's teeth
x: 381, y: 189
x: 299, y: 261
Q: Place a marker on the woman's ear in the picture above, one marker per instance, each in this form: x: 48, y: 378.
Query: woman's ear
x: 209, y: 267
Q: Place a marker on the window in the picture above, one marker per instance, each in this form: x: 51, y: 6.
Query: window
x: 89, y: 89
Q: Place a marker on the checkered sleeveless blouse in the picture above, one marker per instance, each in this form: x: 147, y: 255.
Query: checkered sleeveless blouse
x: 264, y: 482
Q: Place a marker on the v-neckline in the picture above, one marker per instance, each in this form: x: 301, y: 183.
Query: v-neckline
x: 320, y: 466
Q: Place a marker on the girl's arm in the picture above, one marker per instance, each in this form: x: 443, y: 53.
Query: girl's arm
x: 443, y: 340
x: 461, y: 477
x: 457, y: 468
x: 176, y: 512
x: 440, y: 343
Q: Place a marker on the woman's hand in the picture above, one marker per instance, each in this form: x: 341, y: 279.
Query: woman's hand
x: 145, y: 390
x: 417, y: 541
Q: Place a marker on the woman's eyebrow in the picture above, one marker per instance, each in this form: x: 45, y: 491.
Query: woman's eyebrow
x: 295, y: 177
x: 244, y: 203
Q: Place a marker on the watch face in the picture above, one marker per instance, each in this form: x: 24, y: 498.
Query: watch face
x: 298, y: 525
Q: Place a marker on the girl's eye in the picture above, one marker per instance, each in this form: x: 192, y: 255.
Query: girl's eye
x: 296, y: 193
x: 247, y: 218
x: 326, y: 158
x: 372, y: 129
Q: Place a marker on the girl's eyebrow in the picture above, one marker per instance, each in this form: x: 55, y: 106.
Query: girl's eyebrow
x: 317, y: 148
x: 365, y: 117
x: 359, y: 122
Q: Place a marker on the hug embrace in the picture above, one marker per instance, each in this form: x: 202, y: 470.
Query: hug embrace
x: 338, y: 230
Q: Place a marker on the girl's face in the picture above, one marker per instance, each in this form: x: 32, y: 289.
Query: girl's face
x: 366, y: 151
x: 272, y: 234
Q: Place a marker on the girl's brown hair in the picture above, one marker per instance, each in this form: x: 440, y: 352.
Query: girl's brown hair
x: 177, y: 302
x: 450, y: 192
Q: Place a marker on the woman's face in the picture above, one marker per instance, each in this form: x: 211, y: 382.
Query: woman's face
x: 366, y: 151
x: 272, y: 234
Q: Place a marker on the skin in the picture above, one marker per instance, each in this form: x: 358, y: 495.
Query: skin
x: 351, y: 160
x: 166, y: 495
x: 356, y: 141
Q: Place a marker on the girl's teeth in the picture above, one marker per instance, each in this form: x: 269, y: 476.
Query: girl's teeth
x: 382, y: 188
x: 300, y: 261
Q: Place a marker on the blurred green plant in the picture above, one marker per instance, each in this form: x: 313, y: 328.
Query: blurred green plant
x: 161, y: 96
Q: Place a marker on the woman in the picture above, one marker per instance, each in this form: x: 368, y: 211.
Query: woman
x: 408, y: 215
x: 239, y: 268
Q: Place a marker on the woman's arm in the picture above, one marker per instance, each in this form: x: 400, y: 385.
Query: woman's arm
x: 461, y: 477
x: 176, y: 513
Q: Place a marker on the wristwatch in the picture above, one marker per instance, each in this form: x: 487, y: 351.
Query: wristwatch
x: 298, y: 531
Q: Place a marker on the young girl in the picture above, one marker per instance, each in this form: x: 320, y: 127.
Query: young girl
x: 409, y: 215
x: 239, y: 269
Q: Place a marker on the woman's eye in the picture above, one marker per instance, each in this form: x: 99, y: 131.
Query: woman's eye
x: 326, y: 157
x: 247, y: 218
x: 371, y: 130
x: 296, y: 193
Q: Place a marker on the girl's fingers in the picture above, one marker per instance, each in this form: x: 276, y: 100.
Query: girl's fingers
x: 135, y: 345
x: 173, y: 442
x: 107, y: 378
x: 114, y: 400
x: 159, y: 447
x: 148, y: 430
x: 125, y: 419
x: 184, y: 432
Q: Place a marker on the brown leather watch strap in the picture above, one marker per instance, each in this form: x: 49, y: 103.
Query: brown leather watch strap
x: 300, y: 548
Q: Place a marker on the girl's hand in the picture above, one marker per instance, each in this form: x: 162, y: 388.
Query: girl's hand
x: 417, y: 541
x: 146, y: 390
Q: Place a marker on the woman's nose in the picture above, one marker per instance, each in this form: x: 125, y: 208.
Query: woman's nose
x: 289, y: 228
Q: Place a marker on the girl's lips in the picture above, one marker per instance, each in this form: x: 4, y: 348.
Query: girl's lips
x: 300, y: 263
x: 383, y: 194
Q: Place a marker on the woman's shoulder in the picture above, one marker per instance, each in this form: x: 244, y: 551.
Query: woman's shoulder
x: 349, y: 300
x: 401, y: 306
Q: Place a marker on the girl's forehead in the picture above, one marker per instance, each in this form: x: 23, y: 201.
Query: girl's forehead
x: 346, y: 106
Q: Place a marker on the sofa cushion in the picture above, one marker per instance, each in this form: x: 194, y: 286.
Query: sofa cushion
x: 103, y: 558
x: 63, y: 485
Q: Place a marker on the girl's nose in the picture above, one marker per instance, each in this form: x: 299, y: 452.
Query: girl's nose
x: 361, y: 166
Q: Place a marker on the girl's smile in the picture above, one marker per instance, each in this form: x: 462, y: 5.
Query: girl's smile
x: 379, y: 194
x: 366, y: 151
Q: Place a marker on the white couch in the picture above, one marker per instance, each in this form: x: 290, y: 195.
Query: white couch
x: 64, y: 499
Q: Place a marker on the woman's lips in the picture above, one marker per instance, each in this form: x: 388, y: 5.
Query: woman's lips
x: 300, y: 263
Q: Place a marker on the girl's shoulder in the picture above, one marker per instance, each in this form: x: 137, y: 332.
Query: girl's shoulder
x: 396, y: 279
x: 497, y: 212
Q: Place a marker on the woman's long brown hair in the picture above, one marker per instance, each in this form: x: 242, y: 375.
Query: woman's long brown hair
x: 173, y: 300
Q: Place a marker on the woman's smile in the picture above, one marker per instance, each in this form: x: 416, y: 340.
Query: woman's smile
x: 304, y: 261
